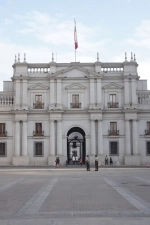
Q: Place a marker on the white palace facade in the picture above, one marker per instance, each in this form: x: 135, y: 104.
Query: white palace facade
x: 74, y: 109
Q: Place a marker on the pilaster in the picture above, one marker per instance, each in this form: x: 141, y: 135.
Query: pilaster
x: 59, y: 137
x: 135, y: 139
x: 59, y: 94
x: 93, y: 139
x: 99, y: 93
x: 127, y: 138
x: 51, y: 97
x: 17, y: 138
x: 100, y: 138
x: 25, y: 95
x: 91, y: 93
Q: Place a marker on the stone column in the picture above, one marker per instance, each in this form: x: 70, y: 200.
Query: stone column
x: 127, y: 138
x: 93, y: 139
x: 100, y: 138
x: 17, y: 138
x: 134, y: 97
x: 51, y: 92
x: 59, y: 137
x: 99, y: 92
x: 17, y: 93
x: 25, y: 94
x: 91, y: 91
x: 126, y: 91
x: 135, y: 138
x: 59, y: 94
x: 52, y: 139
x: 24, y: 139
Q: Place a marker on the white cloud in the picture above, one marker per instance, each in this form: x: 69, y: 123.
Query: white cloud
x: 141, y: 36
x: 58, y: 32
x: 8, y: 21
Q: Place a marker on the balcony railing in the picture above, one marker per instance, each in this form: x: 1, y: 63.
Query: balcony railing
x: 112, y: 104
x: 113, y: 132
x: 37, y: 134
x: 147, y: 132
x: 38, y: 105
x: 75, y: 105
x: 3, y: 133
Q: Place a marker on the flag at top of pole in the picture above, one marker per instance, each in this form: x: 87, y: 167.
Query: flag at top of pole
x: 75, y: 35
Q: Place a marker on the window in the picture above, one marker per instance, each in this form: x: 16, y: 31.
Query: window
x: 148, y: 148
x: 148, y: 126
x: 112, y: 98
x: 38, y: 149
x: 38, y: 129
x: 112, y: 101
x: 147, y: 132
x: 2, y: 149
x: 2, y: 129
x: 75, y: 101
x: 113, y: 129
x: 38, y: 102
x: 113, y: 148
x: 113, y: 126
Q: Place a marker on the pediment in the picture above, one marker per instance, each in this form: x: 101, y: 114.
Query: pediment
x: 75, y: 71
x: 38, y: 87
x: 112, y: 86
x: 75, y: 86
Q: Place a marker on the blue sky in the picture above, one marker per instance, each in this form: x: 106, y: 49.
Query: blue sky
x: 109, y: 27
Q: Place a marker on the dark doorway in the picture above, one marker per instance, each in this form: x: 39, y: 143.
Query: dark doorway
x: 76, y: 145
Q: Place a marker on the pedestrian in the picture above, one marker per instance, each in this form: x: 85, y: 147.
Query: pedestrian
x: 111, y: 162
x: 57, y: 161
x: 77, y: 160
x: 96, y: 163
x: 87, y: 163
x: 106, y: 160
x: 73, y: 160
x: 80, y: 161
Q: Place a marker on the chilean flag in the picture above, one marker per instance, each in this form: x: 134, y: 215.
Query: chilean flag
x: 75, y: 36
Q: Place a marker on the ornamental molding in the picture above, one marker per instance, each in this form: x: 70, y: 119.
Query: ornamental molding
x: 75, y: 86
x: 89, y: 73
x: 112, y: 86
x: 38, y: 87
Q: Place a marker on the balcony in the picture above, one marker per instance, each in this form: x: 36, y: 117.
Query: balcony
x: 75, y: 105
x: 38, y: 105
x: 112, y: 104
x: 113, y: 132
x: 147, y: 132
x: 38, y: 134
x: 3, y: 133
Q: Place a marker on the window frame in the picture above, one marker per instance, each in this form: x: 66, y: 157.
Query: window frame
x: 147, y: 154
x: 34, y: 152
x: 5, y: 155
x: 110, y: 153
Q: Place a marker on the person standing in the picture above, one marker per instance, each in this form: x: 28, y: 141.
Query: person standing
x: 57, y: 161
x: 80, y: 161
x: 96, y: 163
x: 111, y: 162
x: 73, y: 160
x: 87, y: 163
x: 106, y: 160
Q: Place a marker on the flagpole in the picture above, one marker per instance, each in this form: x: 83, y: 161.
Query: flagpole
x: 75, y: 54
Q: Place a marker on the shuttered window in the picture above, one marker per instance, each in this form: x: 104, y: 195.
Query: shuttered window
x: 148, y: 148
x: 113, y: 148
x: 38, y: 149
x: 3, y: 152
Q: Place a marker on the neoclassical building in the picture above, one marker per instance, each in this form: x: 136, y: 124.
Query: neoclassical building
x: 74, y: 109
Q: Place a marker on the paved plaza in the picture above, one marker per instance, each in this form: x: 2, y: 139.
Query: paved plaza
x: 115, y: 196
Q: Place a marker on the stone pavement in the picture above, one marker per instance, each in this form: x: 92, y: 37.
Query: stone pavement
x: 74, y: 196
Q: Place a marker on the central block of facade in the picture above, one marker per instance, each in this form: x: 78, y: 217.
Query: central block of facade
x: 70, y: 110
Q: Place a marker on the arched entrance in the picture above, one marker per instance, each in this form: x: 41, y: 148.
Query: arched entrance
x: 76, y: 144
